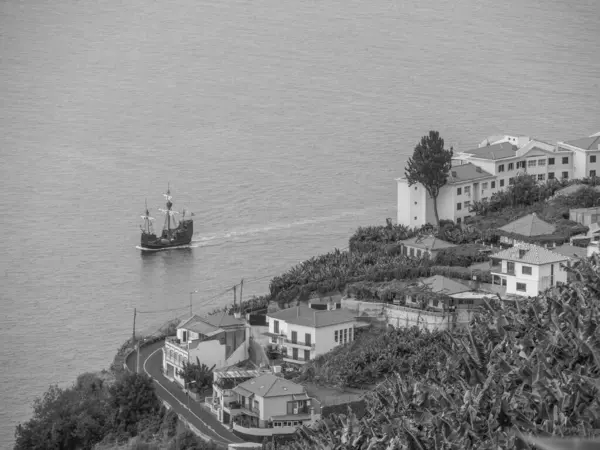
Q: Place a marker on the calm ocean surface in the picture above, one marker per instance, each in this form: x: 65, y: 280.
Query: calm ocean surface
x: 281, y: 123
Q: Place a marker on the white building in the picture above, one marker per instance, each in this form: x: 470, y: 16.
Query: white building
x: 527, y: 269
x: 304, y: 333
x: 420, y: 246
x: 217, y: 340
x: 467, y: 183
x: 478, y: 173
x: 586, y: 155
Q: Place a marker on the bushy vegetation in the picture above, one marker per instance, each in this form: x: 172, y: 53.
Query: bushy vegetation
x: 197, y: 375
x: 99, y: 408
x: 374, y: 356
x: 520, y: 370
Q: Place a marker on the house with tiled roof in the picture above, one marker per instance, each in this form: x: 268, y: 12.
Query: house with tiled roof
x: 467, y: 183
x: 421, y: 246
x: 271, y: 405
x: 215, y: 340
x: 586, y: 155
x: 518, y: 140
x: 528, y: 269
x: 529, y: 226
x: 302, y: 333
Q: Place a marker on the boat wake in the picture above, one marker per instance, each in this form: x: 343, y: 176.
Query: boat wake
x: 273, y: 227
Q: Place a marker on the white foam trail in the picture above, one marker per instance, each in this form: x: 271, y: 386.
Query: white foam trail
x: 167, y: 248
x: 280, y: 226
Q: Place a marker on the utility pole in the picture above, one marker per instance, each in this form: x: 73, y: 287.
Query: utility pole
x: 234, y: 297
x: 137, y: 365
x: 241, y: 291
x: 134, y: 314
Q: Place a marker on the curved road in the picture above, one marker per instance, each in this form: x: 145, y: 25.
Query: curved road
x: 172, y: 393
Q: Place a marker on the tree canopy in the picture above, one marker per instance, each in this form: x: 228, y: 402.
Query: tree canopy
x: 429, y: 166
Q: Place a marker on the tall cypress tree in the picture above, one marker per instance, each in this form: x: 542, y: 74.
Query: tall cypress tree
x: 430, y: 165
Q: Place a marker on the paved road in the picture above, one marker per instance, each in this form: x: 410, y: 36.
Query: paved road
x: 203, y: 420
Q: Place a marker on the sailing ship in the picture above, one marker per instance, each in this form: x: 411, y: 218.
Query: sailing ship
x: 174, y: 233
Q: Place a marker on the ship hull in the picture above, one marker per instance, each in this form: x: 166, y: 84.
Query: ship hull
x: 180, y: 236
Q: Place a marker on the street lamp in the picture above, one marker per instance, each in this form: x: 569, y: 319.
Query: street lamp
x: 192, y: 293
x: 188, y: 393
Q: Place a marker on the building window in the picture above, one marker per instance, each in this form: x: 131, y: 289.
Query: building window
x: 415, y: 203
x: 350, y: 334
x: 295, y: 353
x: 565, y: 160
x: 458, y: 206
x: 484, y: 185
x: 458, y: 220
x: 415, y: 217
x: 412, y: 252
x: 418, y: 253
x: 592, y: 174
x: 526, y: 270
x: 306, y: 355
x: 541, y: 162
x: 415, y: 188
x: 541, y: 176
x: 592, y: 158
x: 501, y: 168
x: 307, y: 338
x: 467, y: 203
x: 493, y: 185
x: 294, y: 337
x: 501, y: 183
x: 467, y: 190
x: 458, y: 191
x: 551, y: 175
x: 511, y: 166
x: 531, y: 163
x: 550, y: 161
x: 276, y: 326
x: 346, y: 335
x: 521, y: 287
x: 511, y: 180
x: 335, y: 336
x: 565, y: 175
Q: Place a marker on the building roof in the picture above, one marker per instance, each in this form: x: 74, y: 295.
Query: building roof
x: 570, y: 189
x: 269, y: 385
x: 530, y: 254
x: 537, y: 151
x: 442, y: 285
x: 313, y: 318
x: 590, y: 210
x: 587, y: 143
x: 467, y: 172
x: 427, y: 243
x: 211, y: 324
x: 571, y: 251
x: 497, y: 151
x: 530, y: 225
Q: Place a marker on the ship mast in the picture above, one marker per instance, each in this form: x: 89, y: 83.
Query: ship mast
x: 147, y: 220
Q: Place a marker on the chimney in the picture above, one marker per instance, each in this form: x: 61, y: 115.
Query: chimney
x: 522, y: 252
x: 478, y: 169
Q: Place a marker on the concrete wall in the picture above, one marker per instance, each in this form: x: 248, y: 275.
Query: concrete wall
x: 403, y: 317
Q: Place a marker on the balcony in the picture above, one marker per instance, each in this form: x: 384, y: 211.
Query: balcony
x: 263, y: 431
x: 299, y: 344
x: 172, y: 340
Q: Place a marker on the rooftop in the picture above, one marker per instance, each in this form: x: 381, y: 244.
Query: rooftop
x: 537, y: 151
x: 530, y: 225
x: 591, y: 210
x: 210, y: 324
x: 587, y: 143
x: 497, y: 151
x: 467, y: 172
x: 269, y: 385
x: 531, y: 254
x: 442, y: 285
x: 308, y: 317
x: 427, y: 243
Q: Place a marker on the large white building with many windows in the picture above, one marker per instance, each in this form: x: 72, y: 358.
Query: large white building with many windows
x: 478, y: 173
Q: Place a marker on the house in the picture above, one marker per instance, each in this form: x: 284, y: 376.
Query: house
x: 420, y: 246
x: 302, y: 333
x: 453, y: 291
x: 526, y: 227
x: 585, y: 216
x: 467, y: 183
x: 528, y: 269
x: 224, y: 380
x: 586, y: 151
x: 216, y: 340
x: 271, y: 405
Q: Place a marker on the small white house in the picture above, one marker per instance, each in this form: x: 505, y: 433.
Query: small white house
x: 304, y: 333
x: 528, y: 269
x: 420, y: 247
